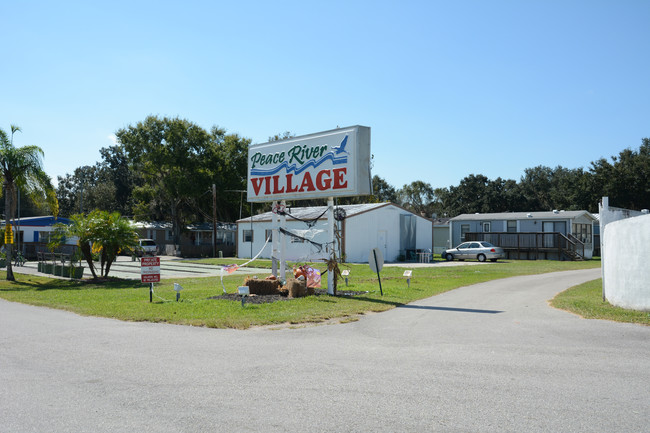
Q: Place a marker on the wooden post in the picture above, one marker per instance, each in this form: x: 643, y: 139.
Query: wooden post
x: 330, y: 242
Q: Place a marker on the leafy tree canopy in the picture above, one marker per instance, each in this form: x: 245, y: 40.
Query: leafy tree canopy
x: 176, y: 163
x: 102, y: 234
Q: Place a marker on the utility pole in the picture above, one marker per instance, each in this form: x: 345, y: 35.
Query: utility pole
x: 241, y: 205
x: 214, y: 220
x: 18, y: 223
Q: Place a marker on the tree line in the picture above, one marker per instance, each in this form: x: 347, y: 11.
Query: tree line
x: 625, y: 179
x: 163, y: 169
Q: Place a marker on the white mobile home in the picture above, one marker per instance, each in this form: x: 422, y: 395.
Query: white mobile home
x: 398, y: 232
x: 33, y: 233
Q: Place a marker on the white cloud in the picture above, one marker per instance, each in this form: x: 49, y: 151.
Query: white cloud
x: 113, y: 138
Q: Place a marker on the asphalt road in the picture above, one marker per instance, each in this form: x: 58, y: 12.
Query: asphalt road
x: 491, y: 357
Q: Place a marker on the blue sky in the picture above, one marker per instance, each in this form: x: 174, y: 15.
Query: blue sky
x: 449, y: 89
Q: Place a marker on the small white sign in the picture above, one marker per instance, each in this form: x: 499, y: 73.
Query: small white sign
x: 408, y: 273
x: 243, y: 290
x: 150, y: 269
x: 345, y: 272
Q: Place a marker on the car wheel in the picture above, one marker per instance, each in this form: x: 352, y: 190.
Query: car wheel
x: 481, y: 257
x: 449, y: 257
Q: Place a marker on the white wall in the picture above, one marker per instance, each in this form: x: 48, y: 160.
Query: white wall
x: 362, y: 233
x: 608, y: 214
x: 30, y: 231
x: 296, y: 251
x: 626, y: 271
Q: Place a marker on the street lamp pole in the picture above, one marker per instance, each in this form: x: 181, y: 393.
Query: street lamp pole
x: 214, y: 220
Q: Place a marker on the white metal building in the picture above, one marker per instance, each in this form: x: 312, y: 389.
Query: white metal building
x: 398, y: 232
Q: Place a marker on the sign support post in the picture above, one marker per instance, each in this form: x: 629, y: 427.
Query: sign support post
x: 283, y: 245
x: 274, y: 239
x: 376, y: 262
x: 150, y: 272
x: 374, y: 252
x: 330, y: 243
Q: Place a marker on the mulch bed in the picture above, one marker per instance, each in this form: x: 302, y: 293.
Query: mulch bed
x: 265, y: 299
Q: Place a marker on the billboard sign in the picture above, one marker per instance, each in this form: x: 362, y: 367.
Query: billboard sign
x: 332, y: 163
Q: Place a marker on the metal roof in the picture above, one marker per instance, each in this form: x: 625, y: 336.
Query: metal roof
x: 39, y: 221
x: 308, y: 213
x: 569, y: 214
x: 164, y: 225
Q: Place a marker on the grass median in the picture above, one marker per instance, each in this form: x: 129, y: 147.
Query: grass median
x: 129, y: 299
x: 586, y: 300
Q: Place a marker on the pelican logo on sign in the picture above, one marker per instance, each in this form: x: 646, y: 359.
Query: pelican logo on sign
x: 333, y: 163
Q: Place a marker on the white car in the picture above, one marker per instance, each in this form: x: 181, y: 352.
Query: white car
x: 478, y: 250
x: 147, y: 247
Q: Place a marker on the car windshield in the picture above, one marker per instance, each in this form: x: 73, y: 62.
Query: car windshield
x: 148, y: 243
x: 487, y: 244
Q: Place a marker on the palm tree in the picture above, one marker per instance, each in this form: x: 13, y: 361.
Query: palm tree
x: 105, y: 234
x: 22, y: 168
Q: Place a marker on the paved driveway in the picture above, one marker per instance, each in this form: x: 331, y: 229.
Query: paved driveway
x: 170, y: 267
x: 491, y: 357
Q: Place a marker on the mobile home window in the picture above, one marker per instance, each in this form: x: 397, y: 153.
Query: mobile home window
x: 464, y: 228
x: 582, y: 232
x: 486, y: 227
x: 44, y: 237
x: 512, y: 226
x: 248, y: 235
x: 268, y: 234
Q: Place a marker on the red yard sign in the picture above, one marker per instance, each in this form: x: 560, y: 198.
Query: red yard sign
x: 150, y: 269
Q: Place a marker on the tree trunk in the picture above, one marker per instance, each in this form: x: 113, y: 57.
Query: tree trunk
x: 87, y: 253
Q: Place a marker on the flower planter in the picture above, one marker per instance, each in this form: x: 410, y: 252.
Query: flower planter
x: 3, y: 263
x: 77, y: 272
x: 40, y: 266
x: 65, y: 271
x: 58, y: 270
x: 48, y: 268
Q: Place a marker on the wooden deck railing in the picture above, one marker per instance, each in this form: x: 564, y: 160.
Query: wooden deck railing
x: 533, y: 244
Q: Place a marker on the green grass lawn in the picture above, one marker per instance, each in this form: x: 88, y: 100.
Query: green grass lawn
x: 586, y: 300
x: 129, y: 300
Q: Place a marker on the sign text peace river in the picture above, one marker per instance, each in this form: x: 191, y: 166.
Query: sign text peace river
x: 328, y: 164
